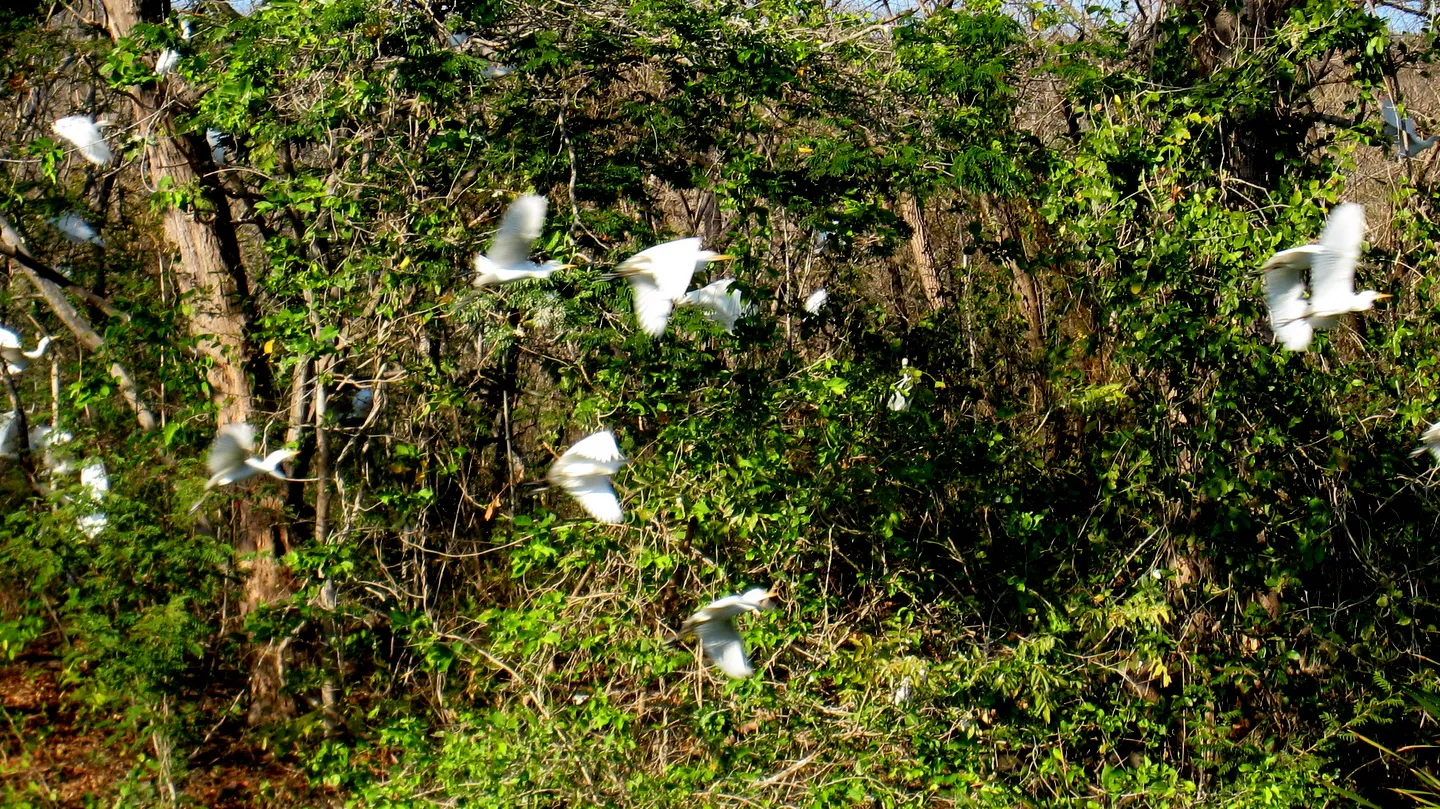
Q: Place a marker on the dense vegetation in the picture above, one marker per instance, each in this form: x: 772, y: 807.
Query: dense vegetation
x: 1120, y: 551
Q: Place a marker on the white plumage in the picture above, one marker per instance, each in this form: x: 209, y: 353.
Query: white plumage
x: 9, y: 435
x: 52, y: 443
x: 1294, y: 317
x: 96, y: 483
x: 77, y: 230
x: 584, y: 471
x: 12, y: 352
x: 660, y: 275
x: 714, y: 625
x: 722, y: 305
x: 233, y: 459
x: 216, y: 139
x: 1429, y: 442
x: 167, y: 60
x: 82, y: 131
x: 508, y: 258
x: 900, y: 392
x: 817, y: 301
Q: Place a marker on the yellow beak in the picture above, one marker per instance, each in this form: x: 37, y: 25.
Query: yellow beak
x: 1383, y: 295
x: 723, y: 257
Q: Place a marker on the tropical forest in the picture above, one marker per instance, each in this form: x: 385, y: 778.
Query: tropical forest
x: 737, y: 404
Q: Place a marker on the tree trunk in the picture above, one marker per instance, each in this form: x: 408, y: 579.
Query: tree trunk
x: 211, y: 273
x: 914, y: 214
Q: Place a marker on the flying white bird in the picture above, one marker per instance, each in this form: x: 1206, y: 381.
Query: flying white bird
x: 817, y: 301
x: 585, y: 470
x: 1429, y: 442
x: 82, y: 131
x: 1331, y: 262
x: 77, y: 230
x: 16, y: 358
x: 508, y: 258
x: 96, y: 483
x: 714, y: 625
x: 899, y: 394
x: 660, y: 275
x: 233, y: 459
x: 1408, y: 142
x: 722, y: 305
x: 167, y: 60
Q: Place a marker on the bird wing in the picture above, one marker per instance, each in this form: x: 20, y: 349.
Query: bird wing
x: 596, y: 496
x: 519, y: 228
x: 1285, y: 296
x: 652, y: 305
x: 76, y: 229
x: 1391, y: 117
x: 9, y: 432
x: 95, y: 479
x: 233, y: 445
x: 724, y: 646
x: 598, y: 446
x: 670, y: 266
x: 82, y: 131
x: 1332, y: 270
x: 1430, y: 442
x: 9, y: 339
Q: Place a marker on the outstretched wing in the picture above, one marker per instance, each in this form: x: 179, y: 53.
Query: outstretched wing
x: 519, y: 228
x: 82, y: 131
x: 652, y: 305
x: 596, y: 496
x: 1332, y: 270
x: 234, y: 443
x: 1285, y: 295
x: 724, y: 646
x: 670, y: 266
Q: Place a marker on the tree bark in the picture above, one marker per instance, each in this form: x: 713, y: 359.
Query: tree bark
x: 914, y: 214
x: 211, y: 274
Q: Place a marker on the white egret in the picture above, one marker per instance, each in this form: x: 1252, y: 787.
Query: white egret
x: 585, y: 470
x: 1408, y: 142
x: 51, y: 443
x: 508, y: 258
x: 900, y: 392
x: 82, y: 131
x: 233, y: 459
x: 1429, y: 442
x: 817, y: 301
x: 96, y: 483
x: 14, y: 354
x: 714, y: 625
x: 76, y: 229
x: 9, y: 435
x: 167, y: 60
x: 722, y: 305
x: 362, y: 404
x: 660, y: 275
x: 1331, y: 263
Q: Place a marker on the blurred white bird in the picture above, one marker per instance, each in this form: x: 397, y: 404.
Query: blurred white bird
x: 82, y: 131
x: 508, y: 258
x: 660, y: 275
x: 77, y: 230
x: 362, y: 404
x: 714, y: 625
x: 167, y: 60
x: 900, y: 393
x: 9, y: 435
x: 817, y: 301
x: 16, y: 358
x: 1408, y: 142
x: 1429, y: 442
x: 216, y: 139
x: 187, y: 28
x: 722, y: 305
x: 233, y: 459
x: 495, y: 70
x: 96, y: 483
x: 1331, y: 263
x: 585, y: 470
x: 51, y: 443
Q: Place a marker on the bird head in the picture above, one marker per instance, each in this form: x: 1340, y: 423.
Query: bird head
x: 763, y: 599
x: 707, y: 256
x: 1370, y: 297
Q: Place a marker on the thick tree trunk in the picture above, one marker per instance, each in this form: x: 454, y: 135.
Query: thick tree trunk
x: 211, y: 273
x: 914, y: 214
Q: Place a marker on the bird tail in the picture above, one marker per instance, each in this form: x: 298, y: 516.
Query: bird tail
x: 1418, y: 451
x: 199, y: 502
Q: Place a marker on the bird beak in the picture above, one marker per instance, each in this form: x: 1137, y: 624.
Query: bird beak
x: 1383, y: 295
x: 772, y: 593
x: 723, y: 257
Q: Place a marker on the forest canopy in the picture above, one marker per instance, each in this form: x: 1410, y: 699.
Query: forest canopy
x: 1045, y: 514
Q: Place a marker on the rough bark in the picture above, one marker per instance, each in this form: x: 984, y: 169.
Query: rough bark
x: 211, y: 273
x: 914, y: 214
